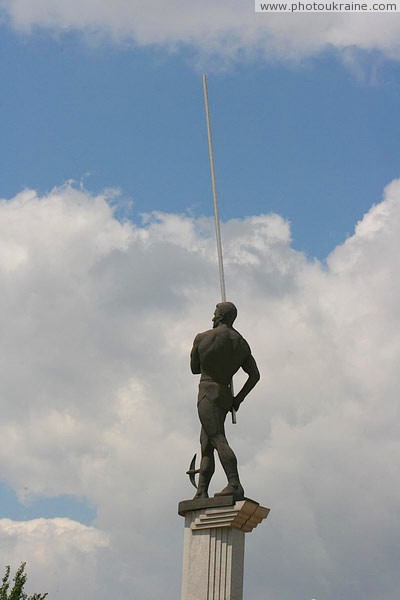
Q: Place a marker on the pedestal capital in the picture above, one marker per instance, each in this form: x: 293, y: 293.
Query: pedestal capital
x: 222, y: 511
x: 244, y: 515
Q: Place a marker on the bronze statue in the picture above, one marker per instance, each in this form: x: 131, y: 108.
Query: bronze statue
x: 217, y: 354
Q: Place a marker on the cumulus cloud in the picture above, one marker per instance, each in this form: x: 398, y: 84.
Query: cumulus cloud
x: 226, y: 29
x: 66, y: 551
x: 97, y: 319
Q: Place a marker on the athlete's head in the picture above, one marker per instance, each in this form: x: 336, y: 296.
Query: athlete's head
x: 225, y: 313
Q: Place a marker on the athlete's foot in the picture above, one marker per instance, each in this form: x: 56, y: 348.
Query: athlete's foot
x: 201, y: 494
x: 232, y: 490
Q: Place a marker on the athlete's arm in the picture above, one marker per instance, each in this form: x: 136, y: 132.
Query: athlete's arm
x: 250, y: 367
x: 194, y: 356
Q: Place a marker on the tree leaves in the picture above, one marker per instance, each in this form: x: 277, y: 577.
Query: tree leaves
x: 17, y: 591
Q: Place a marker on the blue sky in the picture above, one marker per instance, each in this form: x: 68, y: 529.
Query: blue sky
x: 97, y: 309
x: 315, y: 142
x: 61, y: 506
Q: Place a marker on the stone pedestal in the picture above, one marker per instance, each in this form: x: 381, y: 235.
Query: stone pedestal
x: 213, y: 553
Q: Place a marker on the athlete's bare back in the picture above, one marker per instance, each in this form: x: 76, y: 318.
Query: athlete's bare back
x: 219, y: 352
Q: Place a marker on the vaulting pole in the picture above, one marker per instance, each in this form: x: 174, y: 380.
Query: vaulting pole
x: 216, y: 212
x: 214, y: 191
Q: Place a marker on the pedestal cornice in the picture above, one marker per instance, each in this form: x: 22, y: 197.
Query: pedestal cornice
x: 222, y: 511
x: 244, y: 515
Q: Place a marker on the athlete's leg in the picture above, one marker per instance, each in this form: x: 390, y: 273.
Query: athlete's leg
x: 229, y: 464
x: 212, y: 419
x: 207, y: 465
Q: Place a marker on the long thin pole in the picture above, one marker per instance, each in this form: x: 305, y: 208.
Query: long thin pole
x: 214, y: 191
x: 216, y: 212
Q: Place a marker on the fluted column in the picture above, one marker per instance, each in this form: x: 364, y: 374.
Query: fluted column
x: 214, y: 538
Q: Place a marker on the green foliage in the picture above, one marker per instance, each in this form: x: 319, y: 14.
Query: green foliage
x: 17, y: 591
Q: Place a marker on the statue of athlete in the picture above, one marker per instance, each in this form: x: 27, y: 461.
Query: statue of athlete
x: 218, y: 354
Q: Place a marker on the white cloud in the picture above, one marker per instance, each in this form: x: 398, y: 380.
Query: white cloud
x: 226, y: 29
x: 97, y: 320
x: 59, y: 553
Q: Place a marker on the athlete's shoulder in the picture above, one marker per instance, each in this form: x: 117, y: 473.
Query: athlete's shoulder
x: 242, y: 342
x: 203, y: 334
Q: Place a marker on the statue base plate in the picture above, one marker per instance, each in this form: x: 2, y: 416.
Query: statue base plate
x: 198, y: 503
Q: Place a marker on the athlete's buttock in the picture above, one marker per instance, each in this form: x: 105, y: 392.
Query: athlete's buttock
x: 212, y: 392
